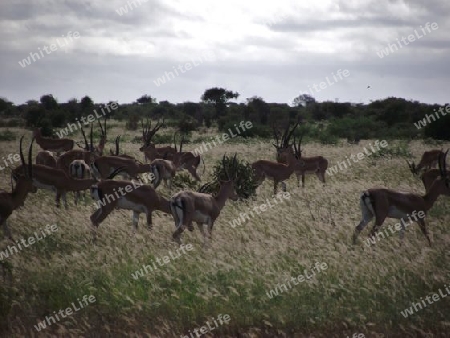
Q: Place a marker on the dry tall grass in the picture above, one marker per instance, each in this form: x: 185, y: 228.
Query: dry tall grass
x: 363, y: 289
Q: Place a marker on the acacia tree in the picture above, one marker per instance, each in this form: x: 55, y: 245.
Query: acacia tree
x: 219, y: 97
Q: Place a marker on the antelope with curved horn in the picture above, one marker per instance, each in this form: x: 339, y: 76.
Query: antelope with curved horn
x: 189, y: 206
x: 386, y: 203
x: 88, y: 154
x: 276, y: 171
x: 138, y: 198
x: 57, y: 180
x: 56, y: 145
x: 149, y: 149
x: 16, y: 198
x: 428, y: 160
x: 308, y: 165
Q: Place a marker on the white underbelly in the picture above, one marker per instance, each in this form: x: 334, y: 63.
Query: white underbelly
x: 123, y: 203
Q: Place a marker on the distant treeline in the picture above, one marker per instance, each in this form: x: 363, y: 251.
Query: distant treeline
x: 327, y: 122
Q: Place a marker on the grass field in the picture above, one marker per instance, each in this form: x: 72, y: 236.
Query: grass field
x: 363, y: 289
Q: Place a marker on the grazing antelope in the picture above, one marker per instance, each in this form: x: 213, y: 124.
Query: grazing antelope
x: 16, y: 198
x: 149, y: 149
x: 387, y: 203
x: 79, y: 169
x: 139, y: 199
x: 46, y: 158
x: 429, y: 160
x: 103, y: 166
x: 56, y: 145
x: 189, y: 206
x: 278, y: 172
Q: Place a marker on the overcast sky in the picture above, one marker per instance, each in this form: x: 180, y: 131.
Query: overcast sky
x: 275, y: 50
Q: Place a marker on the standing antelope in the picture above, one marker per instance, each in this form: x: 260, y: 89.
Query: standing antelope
x: 16, y: 198
x: 308, y: 165
x: 79, y: 169
x: 429, y: 160
x: 305, y: 165
x: 140, y: 199
x: 46, y: 158
x: 278, y: 172
x: 429, y: 176
x: 149, y: 149
x: 187, y: 160
x: 163, y: 170
x: 387, y: 203
x: 56, y: 145
x: 56, y: 180
x: 189, y: 206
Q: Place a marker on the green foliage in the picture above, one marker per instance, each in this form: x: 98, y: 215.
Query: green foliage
x: 439, y: 129
x: 184, y: 180
x: 132, y: 122
x: 399, y: 149
x: 7, y: 135
x: 245, y: 184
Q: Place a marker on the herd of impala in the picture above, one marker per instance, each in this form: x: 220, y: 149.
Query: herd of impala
x: 78, y: 170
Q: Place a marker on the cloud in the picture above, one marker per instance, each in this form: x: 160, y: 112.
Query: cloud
x: 273, y: 50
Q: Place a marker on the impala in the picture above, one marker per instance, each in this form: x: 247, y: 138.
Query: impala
x: 46, y: 158
x: 278, y: 172
x: 307, y: 165
x: 56, y: 180
x: 56, y: 145
x: 189, y: 206
x: 429, y: 176
x: 149, y: 149
x: 429, y: 160
x: 140, y: 199
x: 88, y: 154
x: 79, y: 169
x: 103, y: 166
x: 15, y: 199
x: 163, y: 170
x: 187, y: 160
x: 283, y: 145
x: 387, y: 203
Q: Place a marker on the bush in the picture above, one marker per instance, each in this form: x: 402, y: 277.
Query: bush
x: 246, y: 183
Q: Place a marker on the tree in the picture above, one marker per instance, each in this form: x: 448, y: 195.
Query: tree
x: 48, y: 102
x: 304, y: 100
x: 145, y: 99
x: 87, y: 103
x: 260, y: 107
x: 219, y: 97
